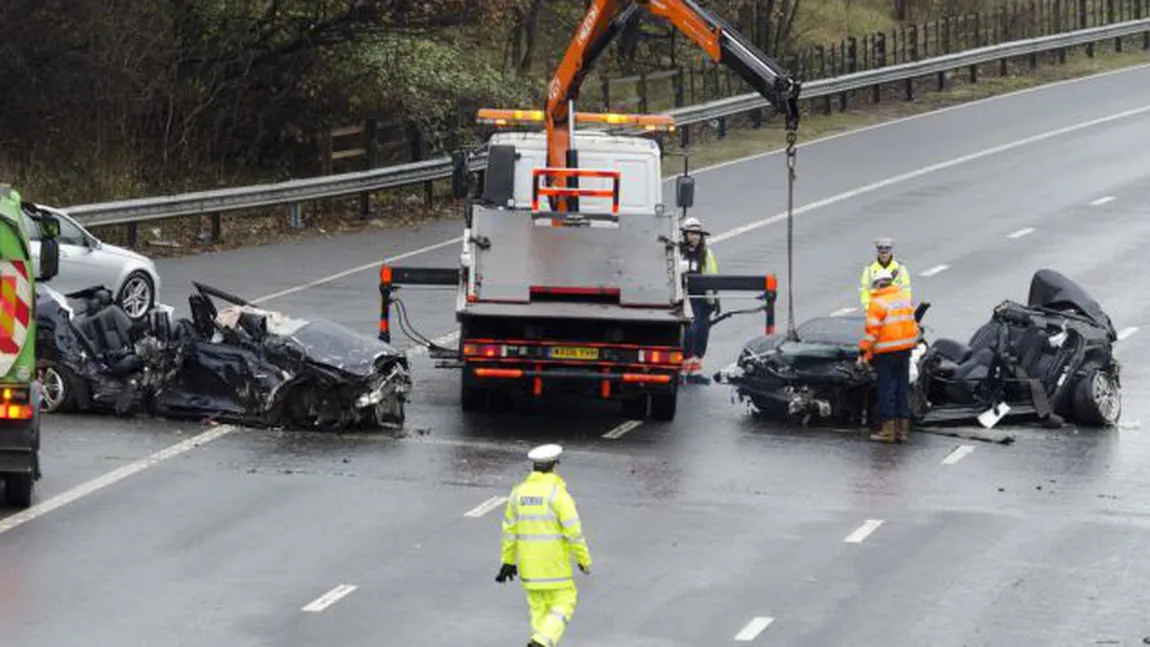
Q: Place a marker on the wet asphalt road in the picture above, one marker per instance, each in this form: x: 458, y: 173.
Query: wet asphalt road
x: 697, y: 527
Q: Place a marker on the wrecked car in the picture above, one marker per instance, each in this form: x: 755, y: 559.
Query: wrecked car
x: 238, y: 364
x: 1050, y: 359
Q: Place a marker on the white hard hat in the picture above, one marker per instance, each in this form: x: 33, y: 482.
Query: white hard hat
x: 883, y: 241
x: 545, y: 454
x: 692, y: 224
x: 885, y: 274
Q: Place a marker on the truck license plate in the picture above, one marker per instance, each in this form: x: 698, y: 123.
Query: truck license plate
x: 569, y: 352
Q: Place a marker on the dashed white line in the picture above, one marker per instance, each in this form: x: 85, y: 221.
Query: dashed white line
x: 331, y: 597
x: 486, y: 506
x: 1002, y: 148
x: 101, y: 482
x: 1126, y: 332
x: 934, y: 270
x: 753, y: 628
x: 622, y: 429
x: 843, y: 311
x: 1101, y: 201
x: 958, y: 454
x: 1021, y: 232
x: 863, y: 531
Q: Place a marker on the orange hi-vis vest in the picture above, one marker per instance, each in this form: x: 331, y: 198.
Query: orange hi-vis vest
x: 890, y: 324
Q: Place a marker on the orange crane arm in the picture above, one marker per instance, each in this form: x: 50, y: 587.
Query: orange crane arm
x: 603, y: 21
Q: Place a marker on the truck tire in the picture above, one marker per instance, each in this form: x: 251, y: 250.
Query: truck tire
x: 472, y: 398
x: 635, y: 408
x: 18, y: 489
x: 663, y: 405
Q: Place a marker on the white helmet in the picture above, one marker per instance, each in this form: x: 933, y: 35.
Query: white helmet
x: 692, y: 225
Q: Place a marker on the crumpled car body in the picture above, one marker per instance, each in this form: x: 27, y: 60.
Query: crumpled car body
x: 238, y: 364
x: 1050, y: 358
x: 816, y: 378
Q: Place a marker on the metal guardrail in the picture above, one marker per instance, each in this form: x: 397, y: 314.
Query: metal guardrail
x: 296, y: 191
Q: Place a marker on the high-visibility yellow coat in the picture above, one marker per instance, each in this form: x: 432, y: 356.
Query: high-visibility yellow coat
x: 890, y: 324
x: 542, y: 533
x: 901, y: 279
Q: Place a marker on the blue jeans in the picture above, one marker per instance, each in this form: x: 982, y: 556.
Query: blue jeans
x: 699, y: 332
x: 893, y: 371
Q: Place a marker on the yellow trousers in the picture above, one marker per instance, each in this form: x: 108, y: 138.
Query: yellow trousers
x: 551, y: 610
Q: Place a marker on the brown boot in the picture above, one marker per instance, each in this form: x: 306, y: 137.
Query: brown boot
x: 903, y: 430
x: 886, y: 434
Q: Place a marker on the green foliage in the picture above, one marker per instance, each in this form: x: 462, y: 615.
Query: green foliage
x: 438, y: 85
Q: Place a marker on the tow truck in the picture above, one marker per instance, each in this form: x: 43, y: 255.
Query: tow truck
x: 570, y: 278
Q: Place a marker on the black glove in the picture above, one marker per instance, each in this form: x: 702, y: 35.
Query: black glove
x: 506, y: 572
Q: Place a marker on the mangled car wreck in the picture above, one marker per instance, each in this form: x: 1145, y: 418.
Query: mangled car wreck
x: 1050, y: 359
x: 240, y: 364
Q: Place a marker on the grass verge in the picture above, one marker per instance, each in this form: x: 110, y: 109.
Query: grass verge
x: 409, y: 206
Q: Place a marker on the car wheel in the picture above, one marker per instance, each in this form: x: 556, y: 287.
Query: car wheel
x: 137, y: 295
x: 1097, y: 398
x: 60, y: 386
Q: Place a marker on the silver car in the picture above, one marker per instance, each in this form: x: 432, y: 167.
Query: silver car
x: 86, y: 261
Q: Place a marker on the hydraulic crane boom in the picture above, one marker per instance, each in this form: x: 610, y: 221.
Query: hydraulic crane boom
x: 606, y: 18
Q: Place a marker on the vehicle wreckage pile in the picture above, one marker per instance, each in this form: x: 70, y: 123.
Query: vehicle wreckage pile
x: 241, y: 365
x: 1050, y: 359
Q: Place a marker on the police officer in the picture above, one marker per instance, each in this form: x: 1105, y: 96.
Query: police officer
x: 891, y: 334
x: 884, y: 248
x: 541, y: 533
x: 700, y: 260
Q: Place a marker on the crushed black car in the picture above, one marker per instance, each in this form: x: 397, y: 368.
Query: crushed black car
x: 239, y: 364
x: 1050, y: 359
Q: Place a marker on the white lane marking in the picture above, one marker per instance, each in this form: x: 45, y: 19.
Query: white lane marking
x: 355, y: 270
x: 1021, y: 232
x: 753, y: 628
x: 934, y: 270
x: 622, y: 429
x: 1101, y: 201
x: 100, y: 482
x: 1126, y: 332
x: 923, y: 115
x: 958, y: 454
x: 843, y: 311
x: 485, y: 507
x: 1002, y: 148
x: 331, y: 597
x: 863, y: 531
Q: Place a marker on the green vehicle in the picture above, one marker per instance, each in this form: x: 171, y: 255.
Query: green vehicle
x: 20, y: 389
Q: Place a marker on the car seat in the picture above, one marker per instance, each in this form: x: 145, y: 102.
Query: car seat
x: 111, y: 336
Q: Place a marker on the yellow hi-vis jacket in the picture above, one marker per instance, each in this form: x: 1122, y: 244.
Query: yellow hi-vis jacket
x: 901, y: 279
x: 542, y: 532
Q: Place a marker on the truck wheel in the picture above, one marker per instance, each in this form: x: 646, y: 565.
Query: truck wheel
x: 18, y: 489
x: 663, y: 405
x: 635, y: 407
x: 472, y: 398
